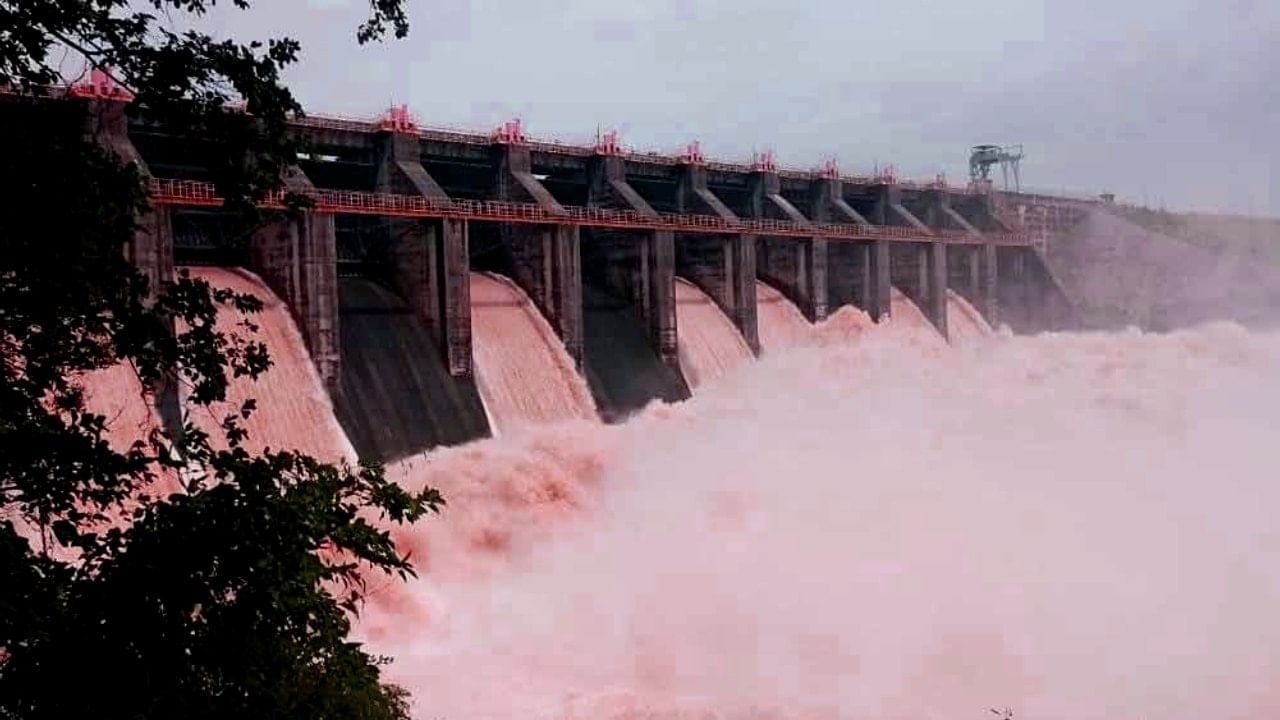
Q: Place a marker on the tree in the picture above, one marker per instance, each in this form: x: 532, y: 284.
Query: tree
x: 232, y: 597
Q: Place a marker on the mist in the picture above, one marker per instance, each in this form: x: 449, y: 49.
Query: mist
x: 1071, y: 525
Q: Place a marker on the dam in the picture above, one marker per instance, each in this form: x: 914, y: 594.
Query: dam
x: 884, y: 524
x: 600, y: 247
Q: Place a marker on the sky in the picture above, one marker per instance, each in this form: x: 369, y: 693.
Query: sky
x: 1167, y: 103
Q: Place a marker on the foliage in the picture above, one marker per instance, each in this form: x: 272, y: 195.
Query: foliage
x: 184, y: 577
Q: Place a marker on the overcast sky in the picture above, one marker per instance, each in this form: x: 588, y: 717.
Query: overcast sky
x: 1171, y: 102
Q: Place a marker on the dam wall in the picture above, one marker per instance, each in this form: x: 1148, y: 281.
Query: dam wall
x: 377, y: 271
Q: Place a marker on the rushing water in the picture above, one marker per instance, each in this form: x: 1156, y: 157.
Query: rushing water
x: 117, y: 394
x: 780, y: 323
x: 294, y: 411
x: 870, y: 524
x: 964, y: 323
x: 524, y: 374
x: 1072, y: 526
x: 710, y: 345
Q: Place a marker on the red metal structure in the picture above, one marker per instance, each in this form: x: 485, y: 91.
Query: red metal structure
x: 510, y: 133
x: 346, y: 202
x: 101, y: 86
x: 398, y: 120
x: 692, y: 154
x: 608, y: 144
x: 765, y: 162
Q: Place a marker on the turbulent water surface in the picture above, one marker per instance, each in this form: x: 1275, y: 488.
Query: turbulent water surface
x: 1072, y: 526
x: 869, y: 523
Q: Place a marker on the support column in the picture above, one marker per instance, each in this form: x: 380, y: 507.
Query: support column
x: 973, y: 274
x: 936, y: 303
x: 990, y: 278
x: 432, y: 262
x: 297, y: 256
x: 879, y: 283
x: 547, y: 258
x: 924, y: 286
x: 320, y: 293
x: 455, y: 295
x: 797, y: 265
x: 565, y: 270
x: 653, y: 282
x: 730, y: 280
x: 741, y: 253
x: 150, y: 250
x: 660, y: 285
x: 815, y: 251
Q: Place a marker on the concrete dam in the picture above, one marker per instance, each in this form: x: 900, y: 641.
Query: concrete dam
x: 425, y: 248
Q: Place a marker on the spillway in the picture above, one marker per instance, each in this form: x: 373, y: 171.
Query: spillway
x: 294, y: 411
x: 116, y: 394
x: 781, y: 324
x: 523, y: 372
x: 623, y: 371
x: 395, y: 394
x: 710, y: 345
x: 905, y: 313
x: 965, y: 324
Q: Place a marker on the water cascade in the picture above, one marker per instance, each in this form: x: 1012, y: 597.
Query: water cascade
x: 710, y: 345
x: 864, y: 530
x: 965, y: 324
x: 524, y: 375
x: 294, y: 411
x: 781, y: 324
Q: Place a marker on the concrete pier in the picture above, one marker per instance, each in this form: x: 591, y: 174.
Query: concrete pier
x: 936, y: 299
x: 646, y: 262
x: 150, y: 250
x: 296, y: 254
x: 881, y: 281
x: 547, y: 259
x: 724, y: 267
x: 431, y: 258
x: 796, y: 266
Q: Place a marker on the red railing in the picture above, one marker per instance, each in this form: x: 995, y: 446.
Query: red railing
x: 347, y: 202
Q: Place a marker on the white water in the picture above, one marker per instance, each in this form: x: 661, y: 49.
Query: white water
x: 780, y: 323
x: 524, y: 374
x: 873, y: 526
x: 1073, y: 526
x: 293, y: 410
x: 709, y: 344
x: 964, y: 323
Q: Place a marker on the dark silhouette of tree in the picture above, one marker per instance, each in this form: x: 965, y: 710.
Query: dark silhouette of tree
x: 233, y: 597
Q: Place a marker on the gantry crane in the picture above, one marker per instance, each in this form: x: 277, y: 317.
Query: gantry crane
x: 983, y: 157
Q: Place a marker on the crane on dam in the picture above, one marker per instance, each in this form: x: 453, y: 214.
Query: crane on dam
x: 983, y: 157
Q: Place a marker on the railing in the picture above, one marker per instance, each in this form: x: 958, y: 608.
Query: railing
x: 346, y: 202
